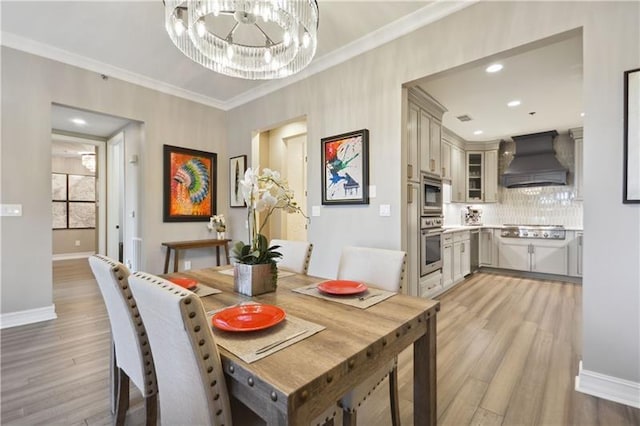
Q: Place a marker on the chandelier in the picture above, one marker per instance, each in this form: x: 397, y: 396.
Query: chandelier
x: 251, y: 39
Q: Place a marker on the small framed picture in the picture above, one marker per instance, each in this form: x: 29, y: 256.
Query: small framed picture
x: 237, y: 167
x: 345, y: 168
x: 631, y: 137
x: 189, y: 184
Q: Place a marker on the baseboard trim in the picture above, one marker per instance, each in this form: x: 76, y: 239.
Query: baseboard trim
x: 608, y: 387
x: 29, y: 316
x: 68, y: 256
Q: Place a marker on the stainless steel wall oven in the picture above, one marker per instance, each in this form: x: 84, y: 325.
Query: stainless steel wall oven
x: 431, y: 194
x: 430, y: 244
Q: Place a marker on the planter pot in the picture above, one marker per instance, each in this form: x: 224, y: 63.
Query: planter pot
x: 221, y: 235
x: 252, y: 280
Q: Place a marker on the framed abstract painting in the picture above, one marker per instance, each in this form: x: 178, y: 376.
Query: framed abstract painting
x: 345, y: 168
x: 237, y: 167
x: 189, y: 184
x: 631, y: 137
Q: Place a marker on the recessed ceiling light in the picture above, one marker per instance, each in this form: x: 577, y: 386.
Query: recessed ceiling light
x: 513, y: 103
x: 78, y: 121
x: 582, y: 114
x: 478, y: 132
x: 494, y: 68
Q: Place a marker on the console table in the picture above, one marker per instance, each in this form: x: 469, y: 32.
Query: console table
x: 176, y: 246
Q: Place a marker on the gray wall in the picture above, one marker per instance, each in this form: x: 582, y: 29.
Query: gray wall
x: 29, y: 85
x: 361, y: 93
x: 365, y: 93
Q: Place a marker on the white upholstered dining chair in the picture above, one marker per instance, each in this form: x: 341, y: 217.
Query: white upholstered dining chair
x: 191, y: 383
x: 132, y: 356
x: 383, y: 269
x: 295, y: 255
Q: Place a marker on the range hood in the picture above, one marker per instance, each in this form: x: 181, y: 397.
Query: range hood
x: 534, y: 162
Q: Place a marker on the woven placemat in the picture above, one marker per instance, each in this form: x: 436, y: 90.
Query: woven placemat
x: 205, y: 290
x: 281, y: 273
x: 252, y: 346
x: 362, y: 300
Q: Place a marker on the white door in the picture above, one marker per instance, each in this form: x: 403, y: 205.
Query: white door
x: 115, y: 195
x: 296, y: 224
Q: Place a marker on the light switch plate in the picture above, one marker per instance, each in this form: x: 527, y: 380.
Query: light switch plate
x: 385, y: 210
x: 10, y: 209
x: 315, y: 210
x: 372, y: 191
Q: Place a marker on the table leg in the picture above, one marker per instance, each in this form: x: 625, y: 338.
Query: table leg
x: 218, y: 255
x: 226, y: 251
x: 166, y: 260
x: 424, y: 377
x: 175, y: 259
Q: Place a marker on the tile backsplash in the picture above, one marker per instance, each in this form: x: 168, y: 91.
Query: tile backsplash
x: 549, y: 205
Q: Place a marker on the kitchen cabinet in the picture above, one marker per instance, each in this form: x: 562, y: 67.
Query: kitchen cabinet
x: 576, y: 135
x: 482, y: 176
x: 412, y: 276
x: 445, y: 161
x: 575, y: 244
x: 543, y: 256
x: 424, y: 134
x: 490, y: 176
x: 431, y: 284
x: 413, y: 143
x: 488, y: 248
x: 447, y: 260
x: 461, y: 264
x: 458, y: 175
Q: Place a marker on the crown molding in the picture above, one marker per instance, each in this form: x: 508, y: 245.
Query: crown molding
x: 50, y: 52
x: 436, y: 10
x: 393, y: 30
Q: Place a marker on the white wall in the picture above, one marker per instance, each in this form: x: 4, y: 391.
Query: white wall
x: 365, y: 93
x: 29, y: 85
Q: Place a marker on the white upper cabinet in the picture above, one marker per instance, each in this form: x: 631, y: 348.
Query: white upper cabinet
x: 458, y: 175
x: 491, y: 176
x: 424, y: 129
x: 445, y: 161
x: 482, y: 173
x: 576, y: 135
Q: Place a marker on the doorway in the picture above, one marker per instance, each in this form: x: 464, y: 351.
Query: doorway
x: 104, y: 143
x: 284, y: 149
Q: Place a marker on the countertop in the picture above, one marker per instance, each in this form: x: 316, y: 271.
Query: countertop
x: 455, y: 228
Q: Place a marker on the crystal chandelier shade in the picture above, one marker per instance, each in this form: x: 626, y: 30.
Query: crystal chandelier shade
x: 283, y: 35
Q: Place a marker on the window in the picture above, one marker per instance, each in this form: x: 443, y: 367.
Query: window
x: 74, y: 201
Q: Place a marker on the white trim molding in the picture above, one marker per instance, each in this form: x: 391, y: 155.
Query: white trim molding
x: 29, y: 316
x: 67, y: 256
x: 608, y: 387
x: 434, y: 11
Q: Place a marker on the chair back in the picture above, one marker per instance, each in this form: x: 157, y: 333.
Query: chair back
x: 380, y: 268
x: 191, y: 383
x: 128, y: 332
x: 295, y: 255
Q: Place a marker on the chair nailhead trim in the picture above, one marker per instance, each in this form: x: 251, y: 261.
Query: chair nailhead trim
x: 214, y: 383
x: 192, y: 314
x: 218, y: 412
x: 196, y: 328
x: 216, y: 397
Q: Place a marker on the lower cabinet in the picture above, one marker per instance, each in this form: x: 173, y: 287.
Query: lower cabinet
x: 575, y: 252
x: 488, y: 248
x: 455, y: 258
x: 431, y: 284
x: 544, y: 256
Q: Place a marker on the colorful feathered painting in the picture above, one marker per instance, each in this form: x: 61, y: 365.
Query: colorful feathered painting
x: 189, y: 184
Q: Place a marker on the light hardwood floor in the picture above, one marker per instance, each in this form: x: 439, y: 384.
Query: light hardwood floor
x: 508, y: 352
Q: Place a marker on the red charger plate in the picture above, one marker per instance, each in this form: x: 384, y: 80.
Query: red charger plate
x: 342, y: 287
x: 188, y: 283
x: 248, y: 317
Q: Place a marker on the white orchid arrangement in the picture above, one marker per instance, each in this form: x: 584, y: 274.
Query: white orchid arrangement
x: 264, y: 192
x: 217, y: 222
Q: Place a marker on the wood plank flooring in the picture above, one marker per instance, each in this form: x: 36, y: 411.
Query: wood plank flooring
x: 508, y: 353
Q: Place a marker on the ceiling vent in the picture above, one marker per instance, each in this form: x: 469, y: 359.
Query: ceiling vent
x: 464, y: 118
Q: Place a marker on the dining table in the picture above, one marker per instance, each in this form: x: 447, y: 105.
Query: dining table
x: 297, y: 383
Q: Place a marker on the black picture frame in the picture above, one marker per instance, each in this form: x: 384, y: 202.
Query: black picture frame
x: 189, y: 184
x: 631, y: 179
x: 345, y: 168
x: 237, y: 167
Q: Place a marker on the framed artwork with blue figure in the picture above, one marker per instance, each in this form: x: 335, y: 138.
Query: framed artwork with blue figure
x: 345, y: 162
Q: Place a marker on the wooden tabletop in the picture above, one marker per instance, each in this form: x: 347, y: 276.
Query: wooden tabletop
x: 195, y: 243
x: 294, y: 385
